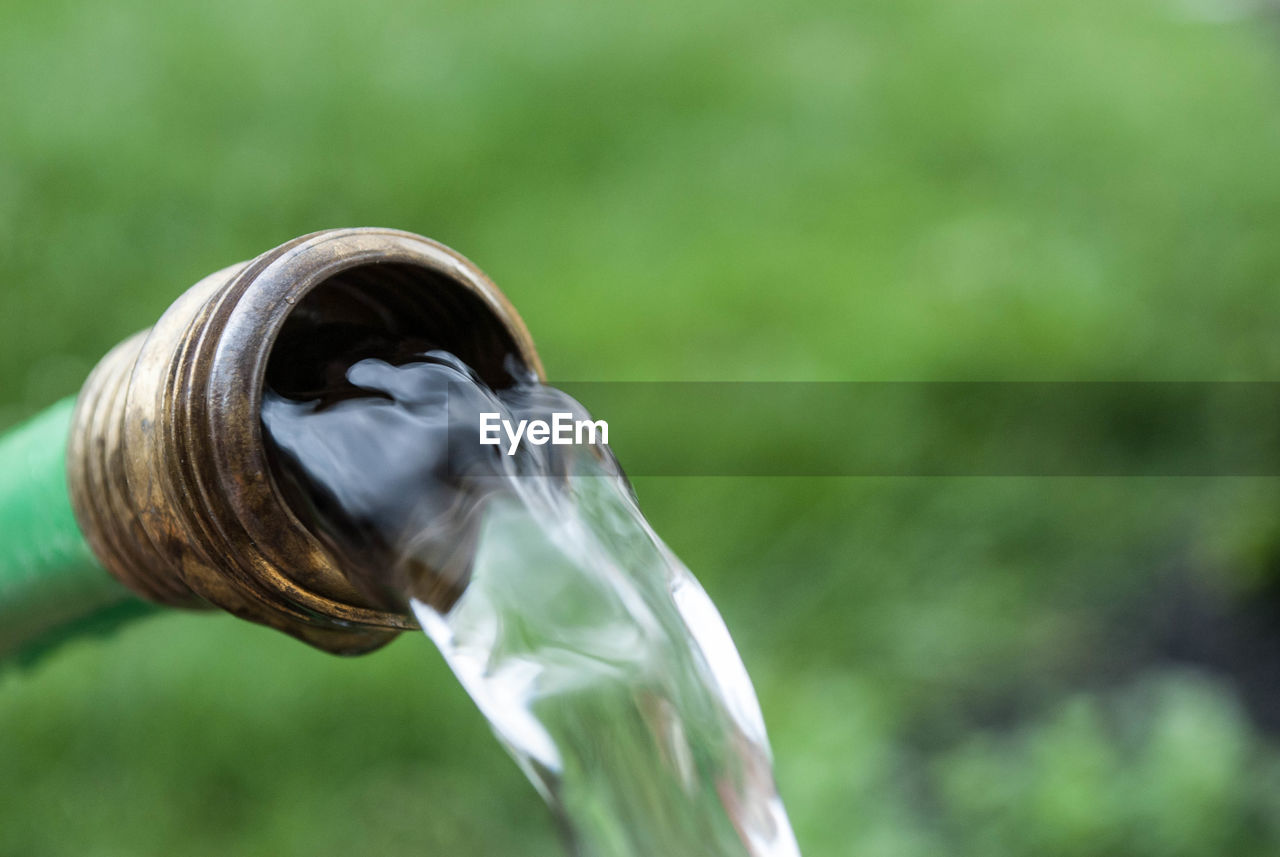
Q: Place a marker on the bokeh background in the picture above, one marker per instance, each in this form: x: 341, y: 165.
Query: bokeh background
x: 876, y: 190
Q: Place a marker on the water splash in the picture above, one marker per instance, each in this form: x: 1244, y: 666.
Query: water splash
x: 594, y: 653
x: 605, y: 669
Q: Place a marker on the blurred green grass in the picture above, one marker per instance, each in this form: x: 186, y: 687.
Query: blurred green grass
x: 753, y: 191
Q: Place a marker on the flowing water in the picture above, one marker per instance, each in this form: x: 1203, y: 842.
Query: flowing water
x: 596, y: 656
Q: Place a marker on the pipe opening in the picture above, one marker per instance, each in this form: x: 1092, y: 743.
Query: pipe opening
x: 392, y: 312
x: 172, y: 481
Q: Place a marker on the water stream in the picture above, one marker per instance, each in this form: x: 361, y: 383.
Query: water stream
x: 597, y: 658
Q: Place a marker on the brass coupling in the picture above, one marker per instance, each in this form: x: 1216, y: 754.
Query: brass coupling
x: 169, y: 474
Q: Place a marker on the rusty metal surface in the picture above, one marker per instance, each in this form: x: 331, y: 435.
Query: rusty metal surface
x: 169, y: 475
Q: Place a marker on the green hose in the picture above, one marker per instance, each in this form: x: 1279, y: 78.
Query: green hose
x: 51, y: 587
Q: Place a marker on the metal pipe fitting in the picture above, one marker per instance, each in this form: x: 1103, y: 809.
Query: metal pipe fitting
x: 169, y: 476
